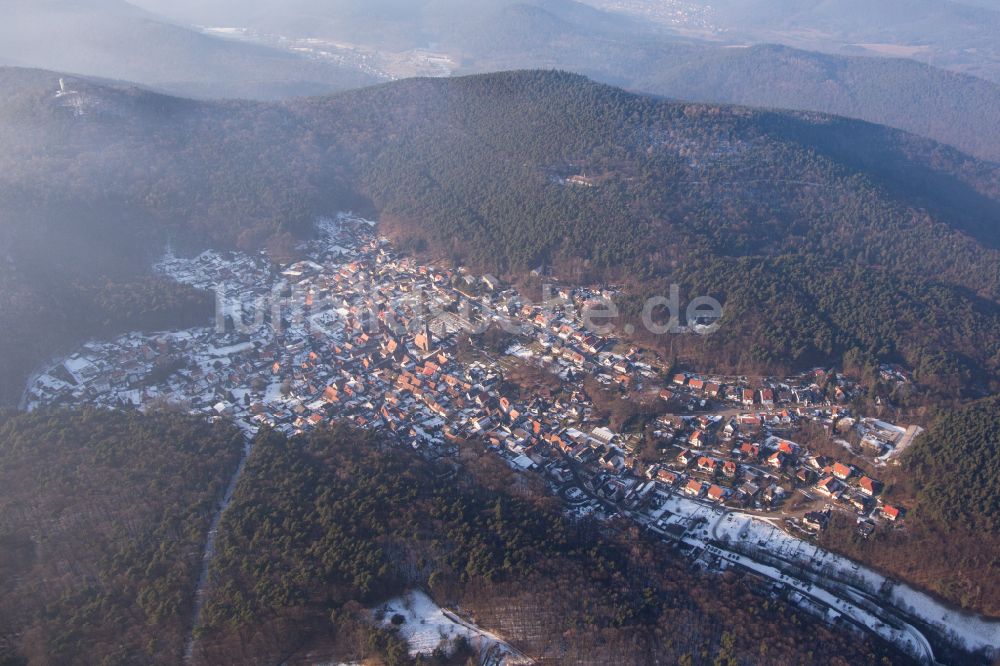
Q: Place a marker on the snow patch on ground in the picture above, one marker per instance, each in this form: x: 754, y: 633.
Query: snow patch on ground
x: 427, y: 626
x: 731, y: 527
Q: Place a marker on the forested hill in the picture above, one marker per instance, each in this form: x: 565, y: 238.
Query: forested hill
x: 822, y: 235
x: 599, y: 38
x: 950, y: 476
x: 954, y: 108
x: 948, y: 106
x: 325, y: 525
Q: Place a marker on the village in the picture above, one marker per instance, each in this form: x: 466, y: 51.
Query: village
x: 355, y: 333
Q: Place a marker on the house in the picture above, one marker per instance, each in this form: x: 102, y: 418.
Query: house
x: 712, y: 389
x: 716, y: 493
x: 767, y: 397
x: 816, y: 520
x: 774, y: 493
x: 707, y: 464
x: 223, y: 408
x: 680, y: 379
x: 860, y: 502
x: 591, y: 344
x: 828, y: 486
x: 748, y: 397
x: 870, y: 486
x: 729, y: 468
x: 892, y: 513
x: 482, y: 423
x: 698, y: 438
x: 667, y: 477
x: 706, y: 422
x: 583, y: 181
x: 786, y: 447
x: 777, y: 460
x: 866, y: 528
x: 842, y: 471
x: 685, y: 457
x: 612, y: 461
x: 694, y: 488
x: 582, y: 452
x: 696, y: 384
x: 565, y: 445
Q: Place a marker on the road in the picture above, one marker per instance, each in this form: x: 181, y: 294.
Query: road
x: 517, y: 657
x: 208, y: 554
x: 858, y: 606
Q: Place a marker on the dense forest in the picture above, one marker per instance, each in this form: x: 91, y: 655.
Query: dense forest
x: 786, y: 312
x: 103, y: 516
x: 820, y: 235
x: 326, y: 525
x: 950, y: 543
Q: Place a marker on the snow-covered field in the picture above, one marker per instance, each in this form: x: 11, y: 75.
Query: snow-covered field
x: 428, y: 626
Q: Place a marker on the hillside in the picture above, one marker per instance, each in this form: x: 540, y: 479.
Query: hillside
x: 950, y: 107
x: 326, y: 525
x: 953, y: 108
x: 610, y: 46
x: 103, y: 516
x: 708, y: 196
x: 821, y: 235
x: 116, y: 40
x: 950, y: 477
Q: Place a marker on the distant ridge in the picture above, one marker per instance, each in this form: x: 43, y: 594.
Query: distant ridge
x: 116, y: 40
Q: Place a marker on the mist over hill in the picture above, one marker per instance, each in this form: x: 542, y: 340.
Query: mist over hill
x: 957, y: 35
x: 618, y: 44
x: 266, y: 50
x: 116, y: 40
x: 949, y: 107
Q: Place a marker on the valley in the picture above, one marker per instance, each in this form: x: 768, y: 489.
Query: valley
x: 364, y: 337
x: 820, y: 463
x: 503, y: 332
